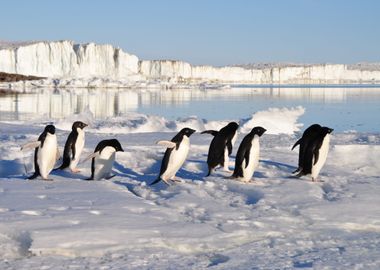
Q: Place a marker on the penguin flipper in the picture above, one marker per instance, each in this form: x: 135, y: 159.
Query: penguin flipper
x: 93, y: 155
x: 246, y: 158
x: 297, y: 143
x: 30, y: 145
x: 167, y: 144
x: 212, y: 132
x: 229, y: 147
x: 316, y: 157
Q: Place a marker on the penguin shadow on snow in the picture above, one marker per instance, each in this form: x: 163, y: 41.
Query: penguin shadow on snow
x: 67, y: 174
x: 125, y: 172
x: 12, y: 169
x: 279, y: 165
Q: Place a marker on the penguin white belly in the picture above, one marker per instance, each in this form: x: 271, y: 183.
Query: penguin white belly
x: 46, y: 156
x: 226, y: 159
x: 79, y: 144
x: 254, y: 156
x: 323, y: 151
x: 234, y: 138
x: 104, y: 162
x: 226, y: 155
x: 177, y: 158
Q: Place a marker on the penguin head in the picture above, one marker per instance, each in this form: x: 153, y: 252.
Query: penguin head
x: 116, y: 144
x: 258, y: 131
x: 50, y: 129
x: 232, y: 126
x: 187, y: 131
x: 78, y: 124
x: 327, y: 130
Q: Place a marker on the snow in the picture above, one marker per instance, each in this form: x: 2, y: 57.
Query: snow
x: 276, y: 222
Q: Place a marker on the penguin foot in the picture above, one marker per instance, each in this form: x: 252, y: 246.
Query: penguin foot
x: 47, y: 179
x: 75, y: 170
x: 175, y: 179
x: 297, y: 171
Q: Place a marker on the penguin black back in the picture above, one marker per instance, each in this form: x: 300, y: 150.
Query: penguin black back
x: 99, y: 148
x: 307, y: 137
x: 311, y: 154
x: 221, y: 140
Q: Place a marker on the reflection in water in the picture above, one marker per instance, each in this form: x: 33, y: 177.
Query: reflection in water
x: 210, y: 104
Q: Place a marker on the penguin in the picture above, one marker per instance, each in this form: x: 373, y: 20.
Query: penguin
x: 45, y: 154
x: 221, y: 146
x: 103, y: 159
x: 248, y: 154
x: 316, y: 154
x: 175, y: 155
x: 308, y: 136
x: 73, y: 147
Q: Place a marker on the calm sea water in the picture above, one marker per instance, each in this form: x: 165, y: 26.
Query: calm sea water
x: 343, y: 108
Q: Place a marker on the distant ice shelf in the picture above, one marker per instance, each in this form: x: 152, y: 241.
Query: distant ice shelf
x: 65, y: 63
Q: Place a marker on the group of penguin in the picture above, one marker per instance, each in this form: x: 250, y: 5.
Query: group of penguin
x: 313, y: 150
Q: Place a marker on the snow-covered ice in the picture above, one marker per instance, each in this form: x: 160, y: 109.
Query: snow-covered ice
x: 67, y: 64
x: 276, y: 222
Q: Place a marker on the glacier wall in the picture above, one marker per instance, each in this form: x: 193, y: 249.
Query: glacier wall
x: 64, y: 59
x: 327, y: 73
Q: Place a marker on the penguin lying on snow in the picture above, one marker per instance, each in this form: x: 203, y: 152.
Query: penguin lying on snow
x: 248, y: 154
x: 221, y: 146
x: 175, y: 155
x: 73, y: 147
x: 103, y: 159
x: 315, y: 152
x: 46, y: 152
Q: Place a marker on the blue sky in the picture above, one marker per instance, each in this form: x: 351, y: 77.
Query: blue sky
x: 207, y: 31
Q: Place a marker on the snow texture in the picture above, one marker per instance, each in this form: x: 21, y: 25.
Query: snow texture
x: 275, y: 222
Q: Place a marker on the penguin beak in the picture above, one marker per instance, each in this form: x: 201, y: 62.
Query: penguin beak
x: 331, y: 130
x: 84, y: 125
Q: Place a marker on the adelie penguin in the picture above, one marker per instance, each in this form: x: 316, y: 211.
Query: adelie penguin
x: 103, y: 159
x: 175, y: 155
x: 248, y: 155
x: 307, y: 137
x: 45, y: 154
x: 221, y: 146
x: 73, y: 147
x: 315, y: 154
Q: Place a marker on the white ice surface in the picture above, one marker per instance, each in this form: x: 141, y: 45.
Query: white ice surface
x: 96, y: 65
x: 276, y: 222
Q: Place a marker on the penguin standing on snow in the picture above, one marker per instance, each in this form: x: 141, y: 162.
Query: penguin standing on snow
x: 73, y: 147
x: 248, y: 154
x: 103, y: 159
x: 175, y: 155
x: 45, y: 154
x: 307, y: 137
x: 221, y: 146
x: 316, y: 154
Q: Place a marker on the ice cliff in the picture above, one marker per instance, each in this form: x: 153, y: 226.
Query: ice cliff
x: 64, y: 59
